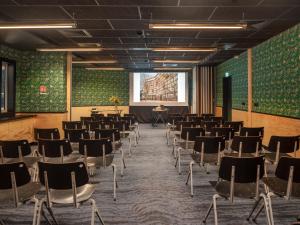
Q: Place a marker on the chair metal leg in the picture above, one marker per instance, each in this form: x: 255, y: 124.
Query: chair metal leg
x: 254, y: 207
x: 123, y: 163
x: 114, y: 181
x: 208, y: 212
x: 215, y: 207
x: 178, y: 161
x: 2, y: 222
x: 267, y: 209
x: 129, y: 147
x: 269, y: 195
x: 95, y: 210
x: 188, y: 177
x: 192, y: 183
x: 52, y: 215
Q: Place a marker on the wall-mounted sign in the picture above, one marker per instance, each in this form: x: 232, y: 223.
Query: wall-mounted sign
x: 43, y: 89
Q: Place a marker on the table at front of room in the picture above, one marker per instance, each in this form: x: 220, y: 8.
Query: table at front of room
x: 158, y: 115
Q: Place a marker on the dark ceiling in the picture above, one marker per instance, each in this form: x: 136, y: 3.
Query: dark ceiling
x: 124, y: 24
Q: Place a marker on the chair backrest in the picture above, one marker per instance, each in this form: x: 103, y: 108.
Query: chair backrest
x: 54, y: 148
x: 115, y: 116
x: 252, y: 131
x: 21, y: 175
x: 113, y: 134
x: 285, y: 144
x: 210, y: 144
x: 181, y: 124
x: 128, y: 119
x: 189, y: 116
x: 92, y: 125
x: 107, y: 119
x: 227, y: 132
x: 129, y: 114
x: 245, y: 169
x: 121, y: 125
x: 73, y: 135
x: 59, y: 176
x: 46, y: 133
x: 246, y: 144
x: 207, y: 116
x: 15, y: 148
x: 72, y: 124
x: 283, y: 168
x: 197, y: 119
x: 208, y: 125
x: 97, y: 117
x: 174, y: 119
x: 95, y: 148
x: 190, y: 133
x: 84, y: 119
x: 236, y: 125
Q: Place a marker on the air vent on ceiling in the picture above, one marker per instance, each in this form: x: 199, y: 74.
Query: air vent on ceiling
x: 75, y: 33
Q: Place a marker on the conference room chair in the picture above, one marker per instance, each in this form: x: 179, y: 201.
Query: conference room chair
x: 189, y: 116
x: 285, y: 185
x: 97, y: 116
x: 56, y: 151
x: 85, y: 119
x: 187, y: 141
x: 98, y: 153
x: 115, y: 116
x: 207, y: 116
x: 246, y: 146
x: 171, y: 126
x: 218, y: 119
x: 46, y: 133
x: 65, y: 185
x: 238, y: 178
x: 207, y: 151
x: 107, y: 119
x: 236, y: 125
x: 133, y: 124
x: 226, y: 132
x: 92, y: 125
x: 128, y: 133
x: 208, y: 125
x: 280, y: 146
x: 74, y: 135
x: 71, y: 124
x: 17, y: 188
x: 115, y: 137
x: 252, y: 131
x: 17, y: 151
x: 197, y: 119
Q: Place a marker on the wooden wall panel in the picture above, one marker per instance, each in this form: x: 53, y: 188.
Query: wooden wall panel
x: 238, y: 115
x: 218, y: 111
x: 77, y: 112
x: 51, y: 120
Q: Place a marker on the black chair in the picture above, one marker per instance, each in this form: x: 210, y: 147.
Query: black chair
x: 227, y: 132
x: 171, y: 126
x: 97, y: 117
x: 197, y: 119
x: 236, y: 125
x: 17, y: 150
x: 246, y: 145
x: 238, y: 177
x: 16, y: 188
x: 98, y: 153
x: 208, y: 125
x: 127, y: 132
x: 280, y: 146
x: 207, y: 150
x: 72, y: 124
x: 285, y: 184
x: 207, y: 116
x: 252, y: 131
x: 189, y: 116
x: 56, y: 151
x: 66, y: 184
x: 46, y: 133
x: 107, y: 119
x: 115, y: 137
x: 115, y: 116
x: 74, y: 135
x: 186, y: 142
x: 218, y: 119
x: 85, y: 119
x: 92, y: 125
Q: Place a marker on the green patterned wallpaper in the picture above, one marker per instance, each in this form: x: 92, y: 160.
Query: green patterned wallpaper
x: 94, y: 88
x: 33, y: 70
x: 237, y: 69
x: 276, y: 75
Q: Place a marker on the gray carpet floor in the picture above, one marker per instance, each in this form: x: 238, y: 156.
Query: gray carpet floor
x: 152, y: 192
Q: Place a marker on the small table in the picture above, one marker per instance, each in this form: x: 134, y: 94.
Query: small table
x: 158, y: 115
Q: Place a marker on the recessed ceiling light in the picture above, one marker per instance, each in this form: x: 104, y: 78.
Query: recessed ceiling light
x: 105, y: 68
x: 37, y: 25
x: 191, y: 26
x: 184, y: 49
x: 69, y: 49
x: 95, y: 61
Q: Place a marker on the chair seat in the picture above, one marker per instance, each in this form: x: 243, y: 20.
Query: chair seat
x: 279, y: 186
x: 185, y: 144
x: 241, y: 190
x: 84, y: 193
x: 99, y: 162
x: 235, y: 154
x: 28, y: 160
x: 67, y: 159
x: 25, y: 193
x: 271, y: 156
x: 207, y: 158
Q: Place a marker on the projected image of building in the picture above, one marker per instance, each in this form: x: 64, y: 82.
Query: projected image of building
x: 159, y: 87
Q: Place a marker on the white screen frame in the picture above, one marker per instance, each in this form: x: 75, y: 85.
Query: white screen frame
x: 167, y: 103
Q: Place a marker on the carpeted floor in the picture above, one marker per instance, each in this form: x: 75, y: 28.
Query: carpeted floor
x: 152, y: 192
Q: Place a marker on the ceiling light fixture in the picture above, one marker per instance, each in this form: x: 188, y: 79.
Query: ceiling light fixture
x: 184, y: 49
x: 190, y: 26
x: 105, y: 68
x: 170, y: 68
x: 69, y: 49
x: 37, y: 25
x: 177, y: 61
x: 95, y: 61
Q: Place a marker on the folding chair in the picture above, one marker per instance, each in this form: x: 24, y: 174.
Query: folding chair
x: 46, y: 133
x: 72, y: 125
x: 246, y: 146
x: 252, y: 131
